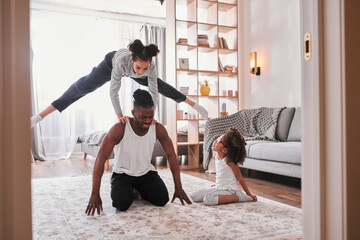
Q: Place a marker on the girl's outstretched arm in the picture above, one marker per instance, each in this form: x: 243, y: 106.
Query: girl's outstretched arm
x: 239, y: 177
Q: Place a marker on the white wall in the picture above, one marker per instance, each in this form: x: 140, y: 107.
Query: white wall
x: 272, y: 29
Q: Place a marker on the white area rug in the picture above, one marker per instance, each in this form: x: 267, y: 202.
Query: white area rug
x: 59, y: 205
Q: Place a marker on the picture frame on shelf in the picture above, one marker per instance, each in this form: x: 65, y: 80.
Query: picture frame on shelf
x: 183, y: 63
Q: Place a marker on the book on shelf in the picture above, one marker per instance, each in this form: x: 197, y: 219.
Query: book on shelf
x: 226, y: 68
x: 229, y: 68
x: 183, y: 63
x: 223, y: 43
x: 203, y: 36
x: 221, y: 68
x: 203, y: 44
x: 183, y: 41
x: 203, y: 40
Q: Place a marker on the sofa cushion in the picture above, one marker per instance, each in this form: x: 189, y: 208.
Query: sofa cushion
x: 283, y: 124
x: 295, y: 128
x: 289, y: 152
x: 286, y: 169
x: 252, y: 142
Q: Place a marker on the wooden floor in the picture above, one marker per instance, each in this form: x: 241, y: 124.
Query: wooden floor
x: 278, y: 188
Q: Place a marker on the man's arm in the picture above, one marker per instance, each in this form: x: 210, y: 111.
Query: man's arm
x: 166, y: 143
x: 113, y: 137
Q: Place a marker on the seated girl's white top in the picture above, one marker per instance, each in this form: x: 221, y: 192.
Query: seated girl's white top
x: 123, y: 67
x: 133, y: 154
x: 225, y: 177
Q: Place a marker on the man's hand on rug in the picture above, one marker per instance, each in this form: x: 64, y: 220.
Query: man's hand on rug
x: 181, y: 195
x: 95, y: 203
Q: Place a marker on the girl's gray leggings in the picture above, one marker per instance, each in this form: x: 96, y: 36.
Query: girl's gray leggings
x: 210, y: 196
x: 98, y: 77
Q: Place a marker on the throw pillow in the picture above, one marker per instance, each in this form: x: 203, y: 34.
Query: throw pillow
x: 295, y: 129
x: 284, y: 122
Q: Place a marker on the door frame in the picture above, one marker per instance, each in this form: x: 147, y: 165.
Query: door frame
x: 330, y: 126
x: 15, y: 158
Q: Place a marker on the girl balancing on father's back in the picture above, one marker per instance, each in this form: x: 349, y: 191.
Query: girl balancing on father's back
x: 229, y: 151
x: 134, y: 62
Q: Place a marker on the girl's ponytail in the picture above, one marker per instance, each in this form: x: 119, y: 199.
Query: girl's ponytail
x: 152, y: 50
x: 136, y: 47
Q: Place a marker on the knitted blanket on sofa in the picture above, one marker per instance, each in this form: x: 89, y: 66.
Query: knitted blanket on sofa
x: 253, y: 124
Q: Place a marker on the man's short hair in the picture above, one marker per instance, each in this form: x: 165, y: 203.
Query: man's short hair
x: 143, y: 99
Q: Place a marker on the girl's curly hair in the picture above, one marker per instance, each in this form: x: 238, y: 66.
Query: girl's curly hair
x: 235, y: 144
x: 144, y: 53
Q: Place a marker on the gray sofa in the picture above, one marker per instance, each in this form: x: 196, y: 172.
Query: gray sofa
x: 282, y: 157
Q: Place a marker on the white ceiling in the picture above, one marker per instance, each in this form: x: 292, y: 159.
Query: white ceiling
x: 147, y: 8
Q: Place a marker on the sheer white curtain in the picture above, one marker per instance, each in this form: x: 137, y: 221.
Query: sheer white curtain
x: 156, y: 35
x: 66, y: 47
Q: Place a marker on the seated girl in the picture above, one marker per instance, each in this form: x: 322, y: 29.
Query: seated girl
x: 229, y: 151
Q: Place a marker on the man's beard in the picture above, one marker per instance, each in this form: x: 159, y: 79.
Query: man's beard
x: 141, y: 125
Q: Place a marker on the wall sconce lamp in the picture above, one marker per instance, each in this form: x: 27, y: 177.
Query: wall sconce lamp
x: 254, y: 69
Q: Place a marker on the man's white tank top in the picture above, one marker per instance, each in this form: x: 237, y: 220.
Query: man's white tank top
x: 225, y: 177
x: 133, y: 154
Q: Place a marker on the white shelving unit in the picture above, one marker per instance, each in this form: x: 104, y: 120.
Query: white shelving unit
x: 200, y: 24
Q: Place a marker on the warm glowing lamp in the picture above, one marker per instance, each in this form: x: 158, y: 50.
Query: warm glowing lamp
x: 254, y: 69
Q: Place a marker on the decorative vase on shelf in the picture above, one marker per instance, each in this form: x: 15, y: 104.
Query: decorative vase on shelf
x: 223, y: 114
x: 204, y: 88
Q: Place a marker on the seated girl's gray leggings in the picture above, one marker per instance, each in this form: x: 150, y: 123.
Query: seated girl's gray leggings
x: 98, y: 77
x: 210, y: 196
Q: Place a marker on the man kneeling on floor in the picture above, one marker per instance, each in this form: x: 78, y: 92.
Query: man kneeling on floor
x: 132, y: 169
